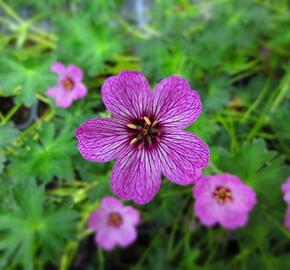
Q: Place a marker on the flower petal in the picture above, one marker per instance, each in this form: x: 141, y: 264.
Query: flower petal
x: 111, y: 203
x: 126, y: 236
x: 174, y: 103
x: 127, y: 95
x: 52, y: 92
x: 182, y: 156
x: 107, y: 238
x: 58, y: 68
x: 232, y: 218
x: 131, y: 215
x: 136, y: 175
x: 75, y: 73
x: 97, y: 219
x: 100, y: 140
x: 79, y: 91
x: 205, y: 212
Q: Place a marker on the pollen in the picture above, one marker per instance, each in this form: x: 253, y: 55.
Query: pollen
x: 222, y: 195
x: 147, y: 120
x: 134, y: 140
x: 115, y: 219
x: 68, y: 84
x: 132, y: 126
x: 154, y: 123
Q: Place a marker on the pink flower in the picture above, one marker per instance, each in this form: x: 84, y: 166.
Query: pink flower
x: 223, y: 199
x: 69, y: 86
x: 114, y: 223
x: 145, y: 135
x: 286, y: 191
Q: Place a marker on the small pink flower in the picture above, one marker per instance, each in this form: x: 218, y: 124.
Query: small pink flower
x: 114, y: 223
x: 69, y: 86
x: 286, y: 191
x: 223, y: 199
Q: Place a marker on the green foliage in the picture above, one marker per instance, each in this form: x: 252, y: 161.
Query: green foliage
x: 31, y: 228
x: 26, y: 77
x: 50, y: 156
x: 7, y: 134
x: 234, y: 53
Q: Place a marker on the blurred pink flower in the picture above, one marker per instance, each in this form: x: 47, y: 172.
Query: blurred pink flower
x: 114, y: 224
x: 223, y: 199
x: 286, y: 191
x: 69, y: 86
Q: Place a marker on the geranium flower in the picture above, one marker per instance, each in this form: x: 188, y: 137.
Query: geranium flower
x: 145, y: 135
x: 114, y: 224
x: 286, y: 191
x: 69, y: 86
x: 223, y: 199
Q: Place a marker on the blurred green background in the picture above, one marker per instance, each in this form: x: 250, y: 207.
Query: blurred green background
x: 234, y: 52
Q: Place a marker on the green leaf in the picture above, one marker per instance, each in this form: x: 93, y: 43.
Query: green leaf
x: 50, y: 156
x: 204, y: 128
x: 8, y: 133
x: 25, y: 77
x: 2, y: 161
x: 30, y: 228
x: 90, y: 44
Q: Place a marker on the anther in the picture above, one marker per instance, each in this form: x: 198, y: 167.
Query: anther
x: 134, y: 140
x: 147, y: 120
x: 154, y: 123
x: 132, y: 126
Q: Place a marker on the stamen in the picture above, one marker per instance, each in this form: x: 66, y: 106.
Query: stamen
x: 154, y: 123
x: 134, y: 140
x: 147, y: 120
x: 132, y: 126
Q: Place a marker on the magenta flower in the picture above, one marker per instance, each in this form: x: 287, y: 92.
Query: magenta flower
x: 114, y: 224
x: 286, y: 191
x: 145, y: 135
x: 69, y: 86
x: 223, y: 199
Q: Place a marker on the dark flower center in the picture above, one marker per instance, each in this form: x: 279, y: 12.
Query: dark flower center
x: 145, y: 132
x: 222, y: 195
x: 68, y: 84
x: 115, y: 219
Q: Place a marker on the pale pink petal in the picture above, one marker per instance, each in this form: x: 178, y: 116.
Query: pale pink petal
x: 58, y: 68
x: 111, y: 203
x: 101, y: 140
x: 79, y: 91
x: 107, y: 238
x: 131, y: 215
x: 286, y: 190
x: 98, y: 219
x: 174, y: 103
x: 126, y: 236
x: 127, y: 95
x: 136, y: 175
x: 206, y: 213
x: 232, y: 218
x: 63, y: 101
x: 182, y: 156
x: 287, y: 218
x: 53, y: 92
x: 75, y: 73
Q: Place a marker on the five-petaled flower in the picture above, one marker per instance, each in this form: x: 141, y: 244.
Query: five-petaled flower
x: 69, y: 86
x: 223, y: 199
x: 114, y: 224
x: 286, y: 191
x: 145, y: 135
